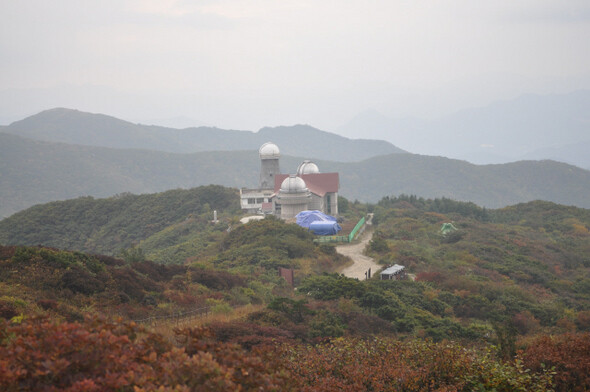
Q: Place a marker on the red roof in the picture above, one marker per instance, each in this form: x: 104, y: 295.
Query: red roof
x: 317, y: 183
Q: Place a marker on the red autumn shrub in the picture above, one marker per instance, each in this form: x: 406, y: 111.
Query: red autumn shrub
x: 97, y: 355
x: 569, y: 354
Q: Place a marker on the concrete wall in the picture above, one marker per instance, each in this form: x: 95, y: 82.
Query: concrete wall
x: 268, y: 169
x: 316, y: 203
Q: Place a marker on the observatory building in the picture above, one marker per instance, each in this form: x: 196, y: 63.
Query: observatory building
x: 269, y: 165
x: 259, y: 200
x: 285, y: 195
x: 292, y: 197
x: 323, y: 189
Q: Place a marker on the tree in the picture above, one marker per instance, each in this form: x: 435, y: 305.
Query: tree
x: 132, y: 255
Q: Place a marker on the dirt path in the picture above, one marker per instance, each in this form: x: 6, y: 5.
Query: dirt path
x: 362, y: 263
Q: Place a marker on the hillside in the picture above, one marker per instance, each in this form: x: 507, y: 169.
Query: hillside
x: 65, y: 283
x: 169, y: 227
x: 75, y: 127
x: 508, y: 279
x: 34, y: 172
x: 106, y: 226
x: 529, y: 258
x: 491, y: 186
x: 526, y: 265
x: 574, y: 154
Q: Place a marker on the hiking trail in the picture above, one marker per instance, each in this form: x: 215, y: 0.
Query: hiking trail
x: 361, y: 262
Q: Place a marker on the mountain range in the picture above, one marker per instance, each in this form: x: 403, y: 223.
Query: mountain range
x: 527, y: 127
x: 99, y: 130
x: 33, y: 172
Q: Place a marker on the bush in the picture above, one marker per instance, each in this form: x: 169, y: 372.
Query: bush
x: 217, y: 279
x: 328, y: 287
x: 326, y: 324
x: 416, y: 365
x: 568, y: 354
x: 80, y: 280
x: 97, y: 355
x: 7, y: 309
x: 379, y: 245
x: 294, y: 310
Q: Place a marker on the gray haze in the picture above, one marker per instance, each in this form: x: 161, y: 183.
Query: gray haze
x: 250, y: 64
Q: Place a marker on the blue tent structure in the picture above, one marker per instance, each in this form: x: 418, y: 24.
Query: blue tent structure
x: 318, y: 222
x: 325, y: 227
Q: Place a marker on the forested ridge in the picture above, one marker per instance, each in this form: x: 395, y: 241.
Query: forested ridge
x: 34, y: 172
x: 502, y: 303
x: 109, y: 225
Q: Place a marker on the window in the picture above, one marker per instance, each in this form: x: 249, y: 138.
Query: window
x: 251, y: 200
x: 260, y: 200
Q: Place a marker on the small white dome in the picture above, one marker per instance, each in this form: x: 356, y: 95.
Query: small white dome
x: 293, y: 184
x: 269, y: 151
x: 308, y: 167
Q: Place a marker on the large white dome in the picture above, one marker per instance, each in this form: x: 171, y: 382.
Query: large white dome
x: 293, y: 184
x: 269, y: 151
x: 308, y: 167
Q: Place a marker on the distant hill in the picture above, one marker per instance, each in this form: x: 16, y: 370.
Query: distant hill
x: 492, y: 186
x: 75, y: 127
x: 33, y: 172
x: 501, y: 132
x: 576, y: 154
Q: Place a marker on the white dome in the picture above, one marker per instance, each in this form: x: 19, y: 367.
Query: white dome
x: 293, y: 184
x: 269, y: 151
x: 308, y: 167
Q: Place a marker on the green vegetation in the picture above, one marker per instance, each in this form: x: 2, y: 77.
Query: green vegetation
x: 67, y: 285
x: 107, y: 226
x: 231, y: 269
x: 504, y: 300
x: 36, y: 172
x: 525, y: 265
x: 493, y: 186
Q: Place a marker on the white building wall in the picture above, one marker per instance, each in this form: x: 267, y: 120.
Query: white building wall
x: 269, y: 168
x: 252, y: 199
x: 331, y: 203
x: 289, y: 211
x: 316, y: 203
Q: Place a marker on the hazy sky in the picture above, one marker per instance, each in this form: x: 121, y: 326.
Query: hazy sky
x: 246, y: 64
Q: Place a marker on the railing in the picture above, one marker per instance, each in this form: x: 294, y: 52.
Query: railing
x: 358, y: 229
x: 331, y: 238
x: 354, y: 231
x: 176, y: 317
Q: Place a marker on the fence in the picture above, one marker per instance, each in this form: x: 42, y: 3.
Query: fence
x: 331, y: 238
x: 176, y: 318
x: 358, y: 229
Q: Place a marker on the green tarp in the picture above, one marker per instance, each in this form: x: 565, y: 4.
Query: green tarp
x: 447, y: 228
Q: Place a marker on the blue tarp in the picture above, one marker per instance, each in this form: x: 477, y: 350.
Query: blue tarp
x: 305, y: 218
x: 325, y: 227
x: 324, y: 224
